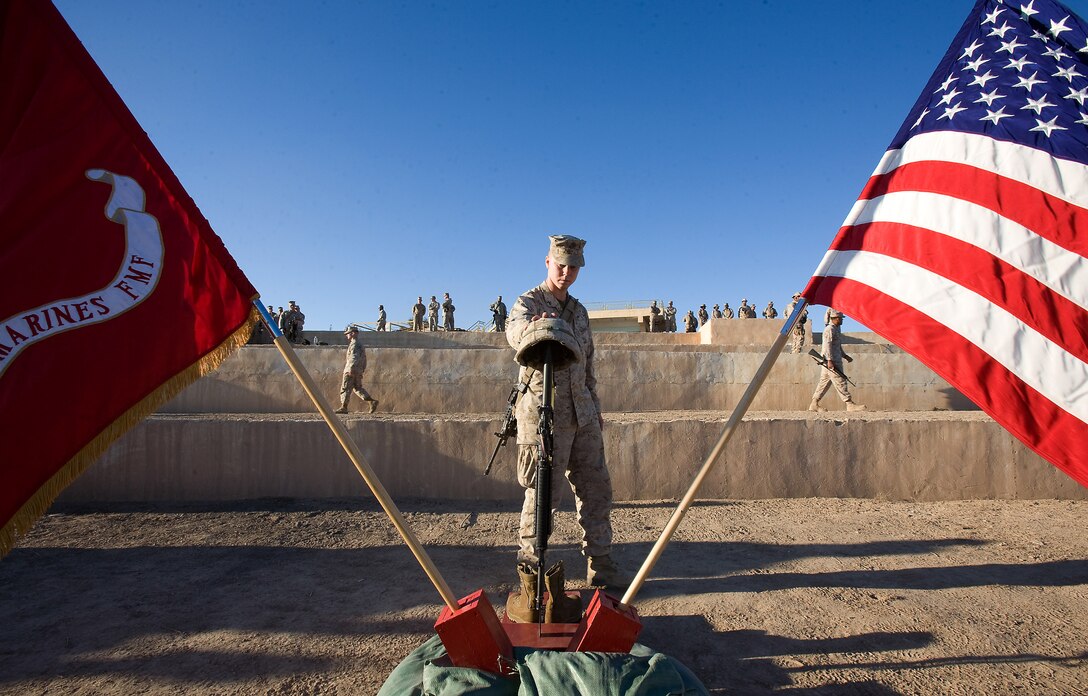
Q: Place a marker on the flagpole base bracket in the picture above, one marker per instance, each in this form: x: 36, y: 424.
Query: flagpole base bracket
x: 473, y: 636
x: 607, y: 626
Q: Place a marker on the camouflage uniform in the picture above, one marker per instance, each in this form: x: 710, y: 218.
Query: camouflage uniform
x: 690, y: 323
x: 716, y: 313
x: 418, y: 310
x: 354, y: 367
x: 283, y: 319
x: 578, y: 451
x: 832, y: 350
x: 745, y: 311
x: 655, y: 313
x: 498, y: 313
x: 670, y: 317
x: 381, y: 318
x: 447, y: 312
x: 259, y: 329
x: 300, y: 323
x: 703, y: 316
x: 797, y: 341
x: 432, y: 314
x: 727, y: 311
x: 770, y: 312
x: 290, y: 323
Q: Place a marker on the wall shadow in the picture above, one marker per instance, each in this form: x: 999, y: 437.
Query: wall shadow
x: 711, y: 567
x: 743, y: 661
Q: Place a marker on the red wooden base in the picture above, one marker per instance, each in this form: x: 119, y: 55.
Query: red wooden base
x: 473, y: 637
x: 549, y: 636
x: 607, y: 626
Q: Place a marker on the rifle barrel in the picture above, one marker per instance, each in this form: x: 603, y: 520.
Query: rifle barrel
x: 487, y: 469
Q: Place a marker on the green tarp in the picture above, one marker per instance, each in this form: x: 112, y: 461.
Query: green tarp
x: 642, y: 672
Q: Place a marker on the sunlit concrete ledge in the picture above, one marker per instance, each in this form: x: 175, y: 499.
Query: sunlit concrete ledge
x: 478, y: 380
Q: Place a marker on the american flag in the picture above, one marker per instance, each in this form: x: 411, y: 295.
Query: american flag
x: 967, y: 246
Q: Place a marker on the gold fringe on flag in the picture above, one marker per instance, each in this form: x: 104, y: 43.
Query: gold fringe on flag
x: 36, y: 506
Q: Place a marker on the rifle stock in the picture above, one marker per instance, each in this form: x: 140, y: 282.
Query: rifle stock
x: 824, y: 363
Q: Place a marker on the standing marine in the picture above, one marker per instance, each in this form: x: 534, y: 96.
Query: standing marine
x: 285, y: 321
x: 797, y: 340
x: 381, y: 318
x: 690, y: 322
x: 447, y: 312
x: 418, y: 310
x: 703, y: 316
x: 498, y: 313
x: 727, y: 311
x: 578, y: 446
x: 432, y: 314
x: 300, y: 322
x: 655, y: 316
x: 670, y: 317
x: 745, y: 310
x: 716, y: 313
x: 769, y: 311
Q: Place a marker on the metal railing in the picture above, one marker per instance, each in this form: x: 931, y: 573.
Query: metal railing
x: 481, y: 325
x: 620, y: 304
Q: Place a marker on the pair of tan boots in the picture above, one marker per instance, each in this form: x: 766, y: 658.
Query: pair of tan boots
x: 559, y: 608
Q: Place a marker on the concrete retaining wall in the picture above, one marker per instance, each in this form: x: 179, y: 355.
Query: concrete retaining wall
x: 477, y: 380
x: 909, y: 456
x: 248, y: 430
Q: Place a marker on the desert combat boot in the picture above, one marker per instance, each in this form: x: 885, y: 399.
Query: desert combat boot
x: 601, y: 571
x: 560, y: 607
x: 519, y: 607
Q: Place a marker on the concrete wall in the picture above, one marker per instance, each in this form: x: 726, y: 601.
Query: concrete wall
x: 631, y: 377
x: 248, y: 431
x: 903, y: 456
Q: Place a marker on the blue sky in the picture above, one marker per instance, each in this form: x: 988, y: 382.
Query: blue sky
x: 351, y: 154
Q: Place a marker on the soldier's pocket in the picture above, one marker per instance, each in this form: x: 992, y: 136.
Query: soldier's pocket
x: 527, y: 465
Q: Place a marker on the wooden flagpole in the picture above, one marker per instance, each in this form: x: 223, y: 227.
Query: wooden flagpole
x: 352, y: 450
x: 738, y: 413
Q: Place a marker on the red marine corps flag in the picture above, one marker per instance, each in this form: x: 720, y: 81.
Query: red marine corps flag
x: 968, y: 245
x: 115, y: 291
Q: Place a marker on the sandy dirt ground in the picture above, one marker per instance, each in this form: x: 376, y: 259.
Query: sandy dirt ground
x: 320, y: 597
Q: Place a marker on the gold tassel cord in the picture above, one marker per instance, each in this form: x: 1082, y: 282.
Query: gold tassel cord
x: 25, y: 517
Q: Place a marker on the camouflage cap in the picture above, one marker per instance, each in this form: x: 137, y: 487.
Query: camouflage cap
x: 834, y: 314
x: 567, y: 250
